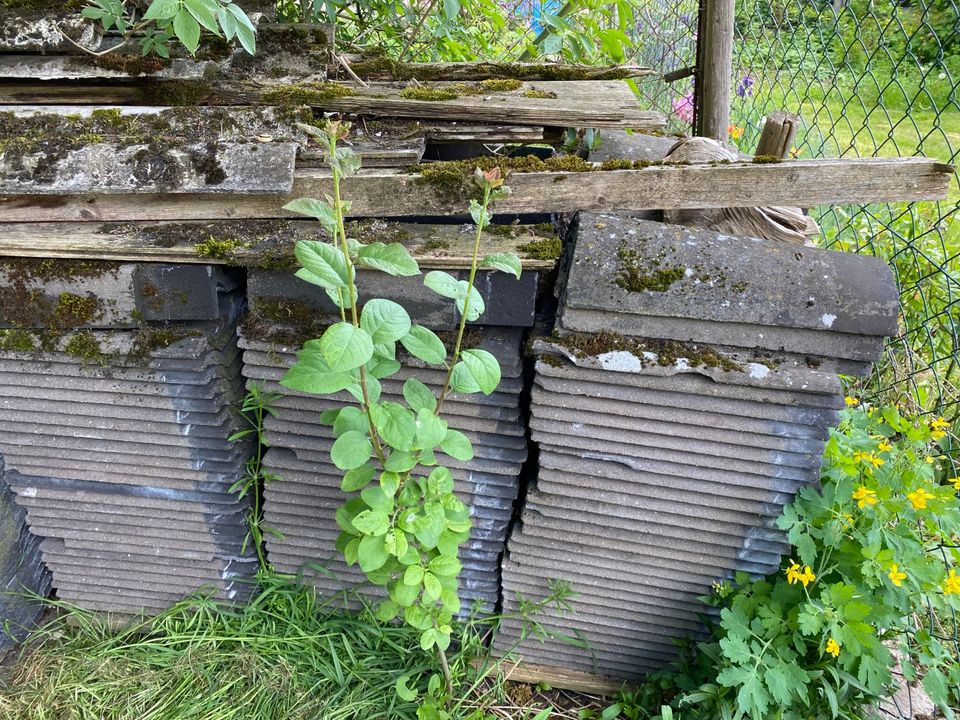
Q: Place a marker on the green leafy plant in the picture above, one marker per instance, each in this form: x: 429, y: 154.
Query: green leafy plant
x: 874, y: 579
x: 257, y: 405
x: 403, y: 524
x: 165, y: 20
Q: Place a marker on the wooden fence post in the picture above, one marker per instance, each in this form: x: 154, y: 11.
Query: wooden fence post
x: 715, y: 74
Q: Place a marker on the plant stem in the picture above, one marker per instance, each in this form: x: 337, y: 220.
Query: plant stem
x: 466, y: 302
x: 351, y: 289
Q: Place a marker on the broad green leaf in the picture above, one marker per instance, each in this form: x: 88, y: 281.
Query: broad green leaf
x: 405, y: 595
x: 386, y: 611
x: 389, y: 482
x: 425, y: 345
x: 400, y: 461
x: 457, y: 445
x: 418, y: 396
x: 162, y: 10
x: 418, y: 617
x: 431, y: 588
x: 385, y: 321
x: 451, y: 9
x: 397, y: 544
x: 311, y: 374
x: 357, y: 478
x: 373, y: 388
x: 372, y: 553
x: 476, y: 307
x: 346, y: 161
x: 345, y: 346
x: 246, y: 33
x: 440, y: 481
x: 477, y: 371
x: 380, y: 367
x: 443, y: 283
x: 429, y: 526
x: 505, y: 262
x: 394, y: 423
x: 413, y: 575
x: 372, y: 522
x: 404, y: 691
x: 316, y: 209
x: 324, y: 261
x: 393, y: 259
x: 430, y: 430
x: 350, y: 418
x: 445, y: 566
x: 428, y: 638
x: 351, y: 450
x: 377, y: 499
x: 187, y: 30
x: 351, y: 551
x: 450, y: 600
x: 449, y: 542
x: 204, y: 12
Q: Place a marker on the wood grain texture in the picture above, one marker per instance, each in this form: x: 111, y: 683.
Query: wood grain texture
x: 561, y: 678
x: 506, y: 70
x: 716, y: 69
x: 434, y: 246
x: 802, y: 183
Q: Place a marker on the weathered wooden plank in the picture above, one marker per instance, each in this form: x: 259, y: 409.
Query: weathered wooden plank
x: 555, y: 677
x: 70, y: 93
x: 380, y: 68
x: 802, y: 183
x: 715, y: 77
x: 602, y: 103
x: 265, y: 242
x: 84, y: 67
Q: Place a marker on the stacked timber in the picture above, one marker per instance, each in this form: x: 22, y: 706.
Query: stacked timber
x: 683, y: 399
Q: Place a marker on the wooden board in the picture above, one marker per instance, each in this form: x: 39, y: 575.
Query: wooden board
x: 434, y: 246
x: 803, y: 183
x: 591, y: 103
x: 82, y: 67
x: 381, y: 69
x: 561, y: 678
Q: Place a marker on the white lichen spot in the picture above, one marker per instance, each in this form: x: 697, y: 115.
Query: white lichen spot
x: 620, y: 361
x: 688, y: 272
x: 757, y: 371
x: 650, y: 356
x: 682, y: 364
x: 827, y: 319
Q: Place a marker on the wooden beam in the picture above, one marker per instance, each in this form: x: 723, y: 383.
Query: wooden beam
x: 715, y: 78
x: 562, y: 678
x: 383, y: 69
x: 778, y: 133
x: 259, y: 242
x: 802, y: 183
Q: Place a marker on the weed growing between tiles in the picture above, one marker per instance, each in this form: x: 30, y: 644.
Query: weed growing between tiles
x: 402, y: 523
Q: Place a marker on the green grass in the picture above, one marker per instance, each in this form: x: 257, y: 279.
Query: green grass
x: 287, y: 655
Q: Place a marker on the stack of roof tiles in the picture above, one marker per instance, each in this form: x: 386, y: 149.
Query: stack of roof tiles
x: 302, y: 501
x: 669, y: 447
x: 23, y: 577
x: 116, y: 437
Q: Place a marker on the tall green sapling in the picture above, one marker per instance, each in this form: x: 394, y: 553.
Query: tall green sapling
x: 402, y: 523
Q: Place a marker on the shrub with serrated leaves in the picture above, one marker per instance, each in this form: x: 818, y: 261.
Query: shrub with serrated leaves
x: 402, y: 524
x: 874, y: 579
x: 166, y: 20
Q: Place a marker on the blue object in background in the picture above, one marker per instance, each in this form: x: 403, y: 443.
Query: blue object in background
x: 539, y: 8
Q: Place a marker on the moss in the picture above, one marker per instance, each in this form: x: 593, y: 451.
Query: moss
x: 433, y: 244
x: 453, y: 180
x: 616, y: 165
x: 539, y: 94
x: 380, y: 65
x: 552, y: 361
x: 149, y: 338
x: 124, y: 63
x: 667, y: 352
x: 318, y: 93
x: 207, y: 164
x: 283, y: 321
x: 501, y: 84
x: 548, y: 248
x: 426, y: 94
x: 176, y: 92
x: 633, y: 277
x: 84, y: 345
x: 766, y: 159
x: 17, y: 340
x: 220, y: 248
x: 76, y: 310
x: 739, y: 287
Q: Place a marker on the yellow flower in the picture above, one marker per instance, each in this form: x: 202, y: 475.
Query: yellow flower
x: 848, y: 519
x: 956, y: 483
x: 928, y: 460
x: 864, y: 496
x: 833, y: 647
x: 794, y: 152
x: 951, y: 586
x: 884, y: 446
x: 896, y: 576
x: 868, y: 459
x: 918, y: 498
x: 796, y: 575
x: 938, y: 428
x: 851, y: 401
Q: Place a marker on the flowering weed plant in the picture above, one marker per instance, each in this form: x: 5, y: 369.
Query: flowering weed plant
x: 875, y: 579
